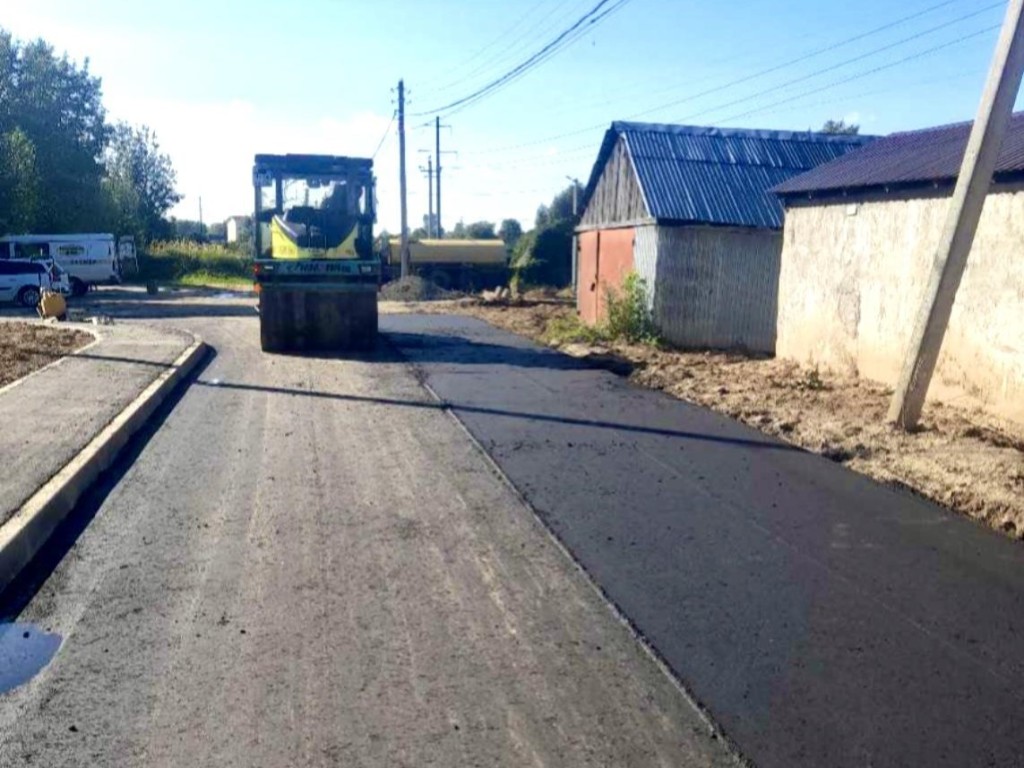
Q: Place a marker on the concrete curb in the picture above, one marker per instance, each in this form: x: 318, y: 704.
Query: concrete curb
x: 27, y: 532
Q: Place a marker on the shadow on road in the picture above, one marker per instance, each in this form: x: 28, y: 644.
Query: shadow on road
x: 23, y: 589
x: 460, y: 409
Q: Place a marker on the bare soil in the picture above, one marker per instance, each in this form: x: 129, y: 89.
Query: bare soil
x: 961, y: 458
x: 27, y: 347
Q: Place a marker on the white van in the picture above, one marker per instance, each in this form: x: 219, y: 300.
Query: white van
x: 89, y: 259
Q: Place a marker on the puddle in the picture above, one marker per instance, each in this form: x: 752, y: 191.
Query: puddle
x: 25, y: 650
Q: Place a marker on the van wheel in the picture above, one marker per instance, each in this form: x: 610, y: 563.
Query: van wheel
x: 29, y: 296
x: 78, y: 288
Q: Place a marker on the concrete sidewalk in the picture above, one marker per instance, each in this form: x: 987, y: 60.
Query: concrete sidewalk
x: 823, y: 619
x: 48, y: 417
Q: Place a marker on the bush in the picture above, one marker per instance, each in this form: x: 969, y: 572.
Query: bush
x: 629, y: 317
x: 184, y: 261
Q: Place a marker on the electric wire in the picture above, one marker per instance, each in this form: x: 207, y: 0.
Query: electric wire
x: 595, y: 15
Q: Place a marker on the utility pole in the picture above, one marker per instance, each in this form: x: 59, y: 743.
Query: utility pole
x: 200, y: 217
x: 965, y: 209
x: 401, y: 178
x: 429, y: 171
x: 575, y: 189
x: 437, y: 151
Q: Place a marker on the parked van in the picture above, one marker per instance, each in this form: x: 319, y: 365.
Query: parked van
x: 89, y: 259
x: 24, y: 280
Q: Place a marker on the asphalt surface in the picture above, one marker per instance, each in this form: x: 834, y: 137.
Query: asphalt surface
x: 307, y: 562
x: 823, y: 620
x: 48, y: 418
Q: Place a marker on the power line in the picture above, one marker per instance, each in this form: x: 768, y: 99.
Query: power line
x: 762, y: 73
x: 500, y: 38
x: 535, y: 160
x: 832, y: 68
x: 384, y: 137
x: 858, y: 76
x: 594, y: 16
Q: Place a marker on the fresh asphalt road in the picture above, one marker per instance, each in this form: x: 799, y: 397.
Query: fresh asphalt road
x: 822, y: 619
x: 309, y: 563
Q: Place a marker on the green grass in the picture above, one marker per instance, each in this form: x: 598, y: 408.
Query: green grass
x: 195, y: 265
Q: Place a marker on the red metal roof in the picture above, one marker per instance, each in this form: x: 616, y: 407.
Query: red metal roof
x: 912, y: 158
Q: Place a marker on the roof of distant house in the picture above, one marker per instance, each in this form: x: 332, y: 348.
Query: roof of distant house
x: 928, y: 157
x: 721, y: 176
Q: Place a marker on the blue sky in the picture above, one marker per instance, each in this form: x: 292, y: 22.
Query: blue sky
x: 220, y: 80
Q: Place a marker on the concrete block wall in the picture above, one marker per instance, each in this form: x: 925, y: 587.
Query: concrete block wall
x: 851, y: 282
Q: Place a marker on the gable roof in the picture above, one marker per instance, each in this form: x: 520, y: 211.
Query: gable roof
x: 693, y: 174
x: 909, y: 159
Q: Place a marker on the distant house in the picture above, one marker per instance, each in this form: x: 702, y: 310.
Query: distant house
x: 235, y: 228
x: 689, y: 210
x: 860, y: 238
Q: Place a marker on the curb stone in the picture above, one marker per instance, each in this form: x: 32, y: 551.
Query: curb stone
x: 27, y: 532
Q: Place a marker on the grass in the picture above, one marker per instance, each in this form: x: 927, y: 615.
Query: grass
x: 196, y: 265
x: 627, y: 318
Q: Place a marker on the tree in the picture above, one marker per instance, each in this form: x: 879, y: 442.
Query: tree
x: 840, y: 128
x: 558, y: 211
x: 140, y: 181
x: 481, y: 230
x: 19, y: 182
x: 459, y: 231
x: 510, y: 231
x: 55, y: 106
x: 420, y: 233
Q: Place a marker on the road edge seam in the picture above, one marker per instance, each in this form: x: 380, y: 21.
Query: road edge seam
x: 714, y: 730
x: 28, y: 530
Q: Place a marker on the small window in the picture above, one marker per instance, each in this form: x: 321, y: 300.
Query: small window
x: 31, y: 250
x: 70, y: 250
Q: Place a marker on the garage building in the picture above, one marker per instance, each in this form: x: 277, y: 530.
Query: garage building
x: 688, y: 209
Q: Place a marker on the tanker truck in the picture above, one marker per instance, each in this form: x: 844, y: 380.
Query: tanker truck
x: 316, y: 273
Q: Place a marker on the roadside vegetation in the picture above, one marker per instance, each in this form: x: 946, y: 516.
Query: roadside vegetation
x: 187, y: 263
x: 627, y: 319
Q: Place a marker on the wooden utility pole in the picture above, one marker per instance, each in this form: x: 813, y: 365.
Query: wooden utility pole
x: 962, y: 220
x: 401, y: 178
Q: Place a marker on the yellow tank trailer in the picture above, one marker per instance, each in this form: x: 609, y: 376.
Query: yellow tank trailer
x: 466, y: 265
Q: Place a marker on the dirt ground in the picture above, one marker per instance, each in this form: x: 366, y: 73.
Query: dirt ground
x: 26, y: 347
x: 963, y: 459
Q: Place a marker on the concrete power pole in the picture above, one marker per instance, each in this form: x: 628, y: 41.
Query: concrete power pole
x: 575, y: 244
x: 437, y: 151
x: 429, y: 173
x: 401, y: 178
x: 430, y: 196
x: 962, y: 220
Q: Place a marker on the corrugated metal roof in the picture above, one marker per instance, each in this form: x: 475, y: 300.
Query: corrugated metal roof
x: 908, y: 159
x: 693, y: 174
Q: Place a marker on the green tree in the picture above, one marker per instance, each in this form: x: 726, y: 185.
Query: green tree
x: 19, y: 182
x: 840, y: 128
x: 544, y: 255
x: 57, y: 106
x: 140, y: 181
x: 481, y: 230
x: 510, y: 231
x: 458, y: 232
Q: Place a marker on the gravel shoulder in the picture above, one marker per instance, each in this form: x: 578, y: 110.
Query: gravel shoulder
x: 962, y: 458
